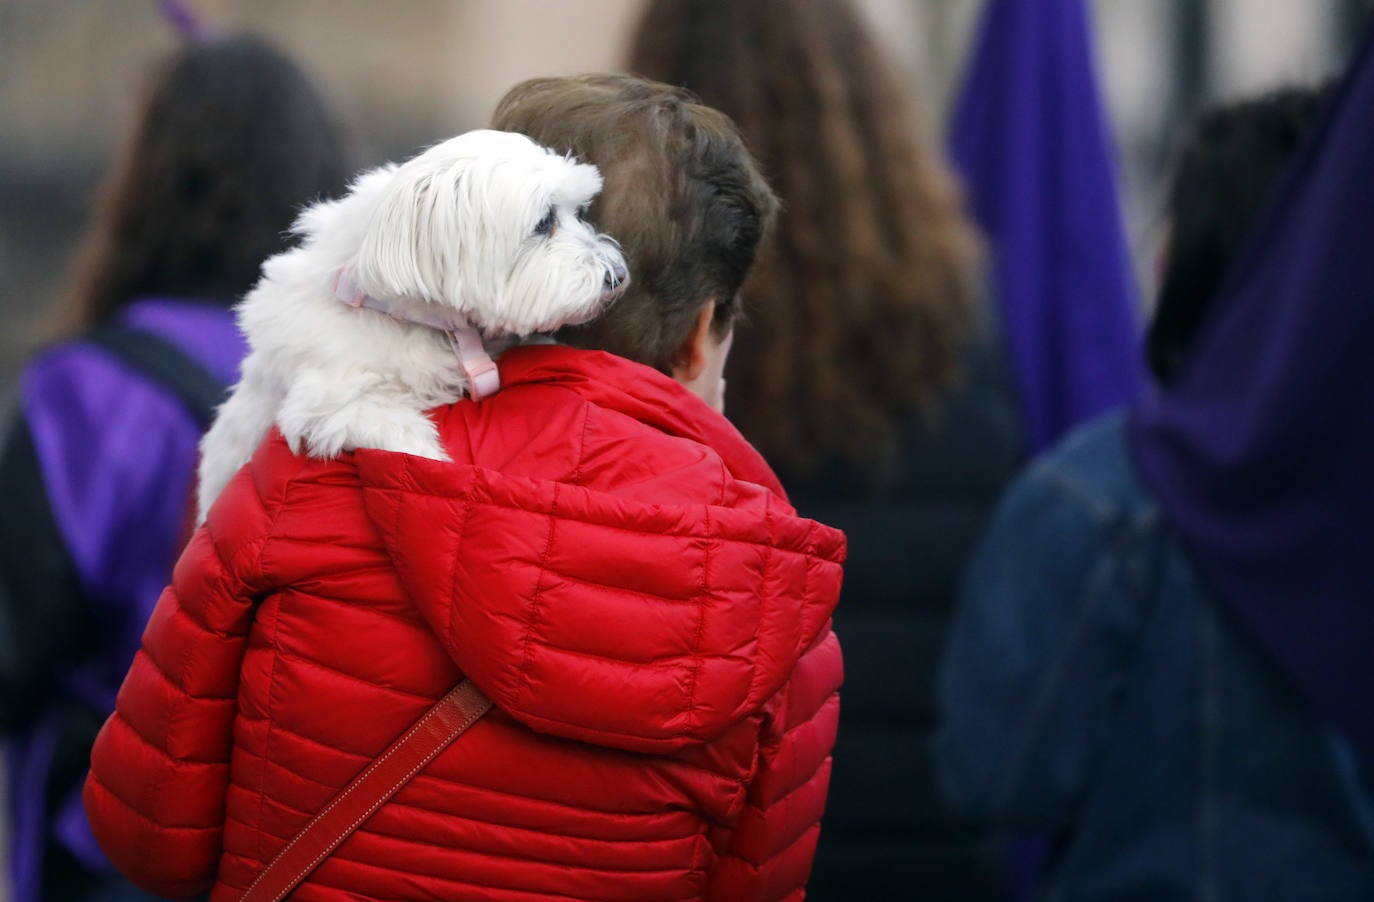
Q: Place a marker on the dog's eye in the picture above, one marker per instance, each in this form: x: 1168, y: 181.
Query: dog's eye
x: 545, y: 226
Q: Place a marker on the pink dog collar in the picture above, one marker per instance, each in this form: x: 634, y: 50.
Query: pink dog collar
x: 483, y: 378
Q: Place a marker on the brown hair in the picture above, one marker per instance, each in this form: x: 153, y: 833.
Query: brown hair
x: 682, y: 195
x: 863, y: 299
x: 230, y: 140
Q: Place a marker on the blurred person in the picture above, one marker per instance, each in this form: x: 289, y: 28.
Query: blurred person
x: 97, y: 466
x: 868, y: 374
x: 603, y: 556
x: 1104, y: 683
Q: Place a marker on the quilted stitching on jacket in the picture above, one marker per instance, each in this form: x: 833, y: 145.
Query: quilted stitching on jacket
x: 648, y: 613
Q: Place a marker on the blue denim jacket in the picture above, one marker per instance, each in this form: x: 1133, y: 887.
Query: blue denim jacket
x: 1093, y: 692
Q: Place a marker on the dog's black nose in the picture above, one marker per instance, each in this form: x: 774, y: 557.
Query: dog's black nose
x: 614, y: 276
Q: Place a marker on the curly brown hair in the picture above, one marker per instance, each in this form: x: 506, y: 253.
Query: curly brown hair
x: 231, y: 139
x: 681, y: 194
x: 862, y: 301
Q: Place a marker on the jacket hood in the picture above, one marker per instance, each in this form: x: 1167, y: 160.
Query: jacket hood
x: 629, y: 613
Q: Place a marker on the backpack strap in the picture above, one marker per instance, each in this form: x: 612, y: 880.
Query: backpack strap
x: 46, y: 618
x: 197, y: 390
x: 167, y: 365
x: 359, y: 800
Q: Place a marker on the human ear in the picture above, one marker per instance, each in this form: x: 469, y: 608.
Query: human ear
x: 692, y: 357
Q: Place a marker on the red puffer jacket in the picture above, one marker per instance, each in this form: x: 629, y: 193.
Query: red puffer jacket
x: 605, y: 557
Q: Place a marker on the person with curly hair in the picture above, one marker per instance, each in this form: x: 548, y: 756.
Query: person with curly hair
x: 868, y: 373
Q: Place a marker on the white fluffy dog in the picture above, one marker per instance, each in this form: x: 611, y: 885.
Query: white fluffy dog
x: 379, y: 313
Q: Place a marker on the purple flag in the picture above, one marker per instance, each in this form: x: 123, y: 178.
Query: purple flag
x: 1029, y: 140
x: 1262, y: 454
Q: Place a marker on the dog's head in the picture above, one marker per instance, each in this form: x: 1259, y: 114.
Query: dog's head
x: 492, y: 225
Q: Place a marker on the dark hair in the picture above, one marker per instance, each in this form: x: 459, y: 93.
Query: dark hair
x: 863, y: 298
x: 231, y: 139
x: 1234, y: 158
x: 682, y: 195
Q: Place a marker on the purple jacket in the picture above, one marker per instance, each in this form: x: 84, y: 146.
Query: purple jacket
x: 116, y: 453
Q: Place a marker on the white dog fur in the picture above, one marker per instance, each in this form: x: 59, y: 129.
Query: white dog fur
x: 488, y: 224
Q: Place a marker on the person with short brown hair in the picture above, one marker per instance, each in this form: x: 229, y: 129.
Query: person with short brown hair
x: 682, y: 194
x: 602, y: 555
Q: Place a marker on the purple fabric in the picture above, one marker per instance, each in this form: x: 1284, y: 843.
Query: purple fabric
x: 117, y: 450
x: 203, y: 330
x: 184, y: 20
x: 1263, y: 453
x: 117, y: 454
x: 1029, y: 140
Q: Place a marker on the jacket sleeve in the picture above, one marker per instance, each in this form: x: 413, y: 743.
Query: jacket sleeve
x: 155, y: 794
x: 45, y: 616
x: 769, y: 853
x: 1038, y: 655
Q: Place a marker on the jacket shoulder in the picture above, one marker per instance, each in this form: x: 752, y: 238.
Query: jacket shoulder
x: 548, y: 432
x: 1092, y: 468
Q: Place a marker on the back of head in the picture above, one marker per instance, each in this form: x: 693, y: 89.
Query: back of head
x: 862, y: 300
x: 681, y: 194
x: 1233, y: 160
x: 230, y: 140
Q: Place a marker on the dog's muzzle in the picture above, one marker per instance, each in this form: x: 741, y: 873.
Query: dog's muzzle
x: 617, y: 276
x: 617, y: 273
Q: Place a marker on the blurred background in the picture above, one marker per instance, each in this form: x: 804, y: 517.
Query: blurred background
x: 404, y: 74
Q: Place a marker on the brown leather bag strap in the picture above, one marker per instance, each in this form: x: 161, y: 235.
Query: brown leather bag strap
x: 360, y: 799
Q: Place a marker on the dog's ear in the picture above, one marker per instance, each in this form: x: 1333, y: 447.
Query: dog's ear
x: 581, y: 183
x: 400, y: 254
